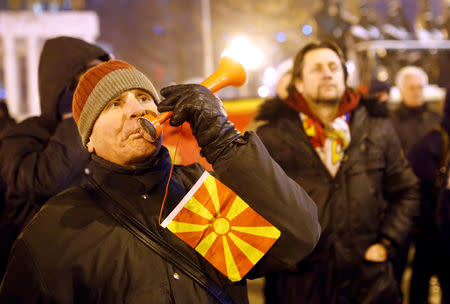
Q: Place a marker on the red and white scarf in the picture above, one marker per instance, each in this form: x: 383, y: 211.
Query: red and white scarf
x: 331, y: 140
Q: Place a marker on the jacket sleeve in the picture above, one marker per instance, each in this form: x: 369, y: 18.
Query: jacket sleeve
x: 22, y: 283
x: 401, y: 189
x: 40, y: 158
x: 248, y: 169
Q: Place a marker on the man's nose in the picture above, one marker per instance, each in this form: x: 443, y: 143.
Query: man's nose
x: 326, y: 72
x: 135, y: 108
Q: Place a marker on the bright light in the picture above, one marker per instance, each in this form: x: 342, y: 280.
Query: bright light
x: 307, y: 29
x: 351, y: 67
x: 263, y: 91
x: 242, y: 50
x: 382, y: 74
x: 270, y: 76
x: 158, y: 30
x: 281, y: 37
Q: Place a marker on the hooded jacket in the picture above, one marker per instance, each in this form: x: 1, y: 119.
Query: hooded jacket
x: 62, y: 59
x: 374, y: 195
x: 93, y: 259
x: 43, y: 155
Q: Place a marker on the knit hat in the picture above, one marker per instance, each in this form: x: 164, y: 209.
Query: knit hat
x: 99, y: 85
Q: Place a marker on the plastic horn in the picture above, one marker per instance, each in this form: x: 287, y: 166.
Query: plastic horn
x: 229, y: 72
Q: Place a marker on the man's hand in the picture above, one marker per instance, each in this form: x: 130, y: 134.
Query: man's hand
x: 376, y: 253
x: 205, y: 113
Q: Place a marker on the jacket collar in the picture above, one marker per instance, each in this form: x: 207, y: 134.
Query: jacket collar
x: 137, y: 180
x: 406, y: 111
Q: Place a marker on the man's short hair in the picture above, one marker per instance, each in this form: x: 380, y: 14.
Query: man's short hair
x: 314, y: 45
x: 410, y: 70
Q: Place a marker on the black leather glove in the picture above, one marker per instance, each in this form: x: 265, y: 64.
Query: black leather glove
x: 205, y: 113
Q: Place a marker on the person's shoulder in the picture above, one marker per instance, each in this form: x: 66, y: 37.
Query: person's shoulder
x: 432, y: 141
x: 188, y: 174
x: 273, y: 108
x: 73, y: 207
x: 374, y: 108
x: 37, y: 126
x: 433, y: 114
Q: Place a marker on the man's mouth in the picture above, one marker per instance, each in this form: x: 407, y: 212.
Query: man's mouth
x: 135, y: 135
x: 328, y: 86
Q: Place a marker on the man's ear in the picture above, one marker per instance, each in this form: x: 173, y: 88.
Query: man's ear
x: 299, y: 85
x: 90, y: 146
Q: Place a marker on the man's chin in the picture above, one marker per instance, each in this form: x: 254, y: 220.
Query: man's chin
x: 328, y: 101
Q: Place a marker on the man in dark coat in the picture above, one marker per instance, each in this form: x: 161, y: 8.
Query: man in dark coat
x: 345, y: 153
x: 75, y: 252
x: 412, y: 119
x: 429, y: 159
x: 443, y: 222
x: 43, y: 155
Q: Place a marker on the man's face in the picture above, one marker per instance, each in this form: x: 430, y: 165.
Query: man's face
x: 411, y: 91
x: 116, y: 134
x: 322, y: 79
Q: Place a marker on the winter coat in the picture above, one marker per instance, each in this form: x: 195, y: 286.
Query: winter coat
x: 427, y: 158
x: 443, y: 205
x: 374, y: 195
x: 92, y: 259
x: 43, y: 155
x: 412, y: 124
x: 7, y: 234
x: 443, y: 213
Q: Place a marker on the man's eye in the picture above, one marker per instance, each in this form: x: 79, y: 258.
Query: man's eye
x: 144, y: 98
x: 334, y: 68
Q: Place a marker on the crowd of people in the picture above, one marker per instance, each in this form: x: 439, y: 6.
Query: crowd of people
x: 328, y: 193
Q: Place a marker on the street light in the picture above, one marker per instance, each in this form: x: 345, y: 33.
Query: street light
x: 242, y: 49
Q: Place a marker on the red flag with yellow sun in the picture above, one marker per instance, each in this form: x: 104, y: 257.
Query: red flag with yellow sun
x: 219, y: 225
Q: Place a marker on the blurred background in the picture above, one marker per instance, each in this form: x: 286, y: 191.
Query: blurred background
x: 179, y: 41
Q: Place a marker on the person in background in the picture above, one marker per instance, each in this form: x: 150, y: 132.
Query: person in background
x: 379, y: 90
x: 443, y: 222
x: 5, y: 119
x: 6, y: 235
x: 344, y: 151
x: 412, y: 119
x: 429, y: 159
x: 43, y: 155
x: 94, y: 258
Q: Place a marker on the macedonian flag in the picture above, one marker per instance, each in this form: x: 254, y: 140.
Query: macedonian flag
x: 219, y: 225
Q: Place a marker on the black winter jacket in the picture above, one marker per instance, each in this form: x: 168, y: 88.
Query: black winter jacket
x: 42, y: 156
x: 412, y: 124
x: 90, y: 258
x: 374, y: 195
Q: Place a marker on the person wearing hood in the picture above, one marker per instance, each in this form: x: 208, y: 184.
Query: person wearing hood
x: 43, y: 155
x: 245, y: 219
x: 412, y: 119
x: 344, y: 151
x: 429, y: 159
